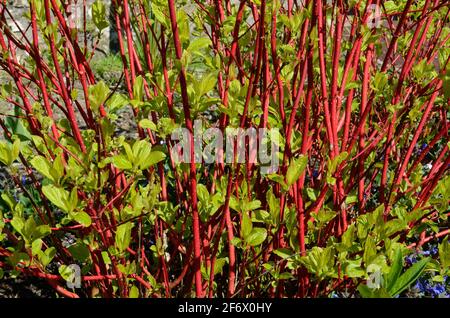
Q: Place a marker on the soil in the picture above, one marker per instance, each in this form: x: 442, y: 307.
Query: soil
x: 25, y: 287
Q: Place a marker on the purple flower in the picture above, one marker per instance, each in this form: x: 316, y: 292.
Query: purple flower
x: 432, y: 251
x: 421, y: 286
x: 315, y: 173
x: 411, y: 259
x: 437, y: 289
x: 431, y: 289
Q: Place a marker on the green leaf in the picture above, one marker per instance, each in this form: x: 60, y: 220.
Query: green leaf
x: 396, y: 269
x: 311, y: 194
x: 36, y: 246
x: 353, y: 269
x: 40, y: 232
x: 8, y: 152
x: 99, y: 15
x: 219, y: 264
x: 246, y: 226
x: 153, y: 158
x: 116, y: 102
x: 138, y: 88
x: 72, y: 202
x: 54, y: 171
x: 250, y: 206
x: 121, y: 162
x: 333, y: 164
x: 57, y: 196
x: 57, y: 170
x: 295, y: 169
x: 202, y: 193
x: 285, y: 275
x: 42, y: 165
x: 98, y: 94
x: 79, y: 251
x: 380, y: 81
x: 140, y: 151
x: 348, y: 237
x: 158, y: 12
x: 446, y: 84
x: 148, y: 124
x: 207, y: 84
x: 409, y: 277
x: 274, y: 206
x: 66, y: 273
x: 257, y: 236
x: 320, y: 261
x: 106, y: 258
x: 367, y: 292
x: 444, y: 253
x: 17, y: 126
x: 123, y: 236
x: 283, y: 252
x: 15, y: 150
x: 46, y: 257
x: 351, y: 199
x: 390, y: 6
x: 198, y: 44
x: 83, y: 218
x: 18, y: 224
x: 134, y: 292
x: 370, y: 250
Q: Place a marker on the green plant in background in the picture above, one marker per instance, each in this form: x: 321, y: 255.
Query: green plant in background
x: 108, y: 68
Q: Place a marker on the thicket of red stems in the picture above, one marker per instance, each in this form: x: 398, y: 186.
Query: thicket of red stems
x: 366, y: 103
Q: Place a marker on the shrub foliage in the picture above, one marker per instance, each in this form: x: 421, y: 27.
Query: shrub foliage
x: 358, y: 90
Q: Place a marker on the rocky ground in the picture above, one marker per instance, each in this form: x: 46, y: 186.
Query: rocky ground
x: 25, y: 287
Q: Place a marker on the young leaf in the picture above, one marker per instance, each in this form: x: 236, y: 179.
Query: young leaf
x: 79, y: 251
x: 40, y: 232
x: 257, y: 236
x: 409, y: 277
x: 9, y: 153
x: 444, y: 253
x: 98, y: 94
x: 284, y: 253
x: 83, y: 218
x: 138, y: 88
x: 15, y: 150
x: 46, y: 257
x: 66, y: 272
x: 123, y: 236
x: 99, y: 15
x: 121, y: 162
x: 396, y: 269
x: 153, y: 158
x: 246, y: 226
x: 198, y: 44
x: 295, y: 169
x: 42, y: 165
x: 57, y: 196
x: 148, y: 124
x: 134, y: 292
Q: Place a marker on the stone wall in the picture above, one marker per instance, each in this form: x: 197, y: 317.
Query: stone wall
x: 19, y: 8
